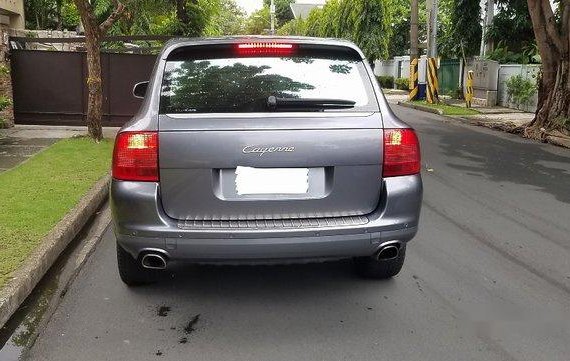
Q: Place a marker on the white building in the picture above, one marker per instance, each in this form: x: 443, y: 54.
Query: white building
x: 12, y: 14
x: 302, y: 8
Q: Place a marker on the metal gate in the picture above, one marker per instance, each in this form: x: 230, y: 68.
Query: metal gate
x: 448, y: 76
x: 49, y: 87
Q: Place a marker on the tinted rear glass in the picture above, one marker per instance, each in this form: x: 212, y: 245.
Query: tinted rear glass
x: 244, y: 84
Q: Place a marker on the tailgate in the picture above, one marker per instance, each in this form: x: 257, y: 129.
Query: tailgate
x: 198, y: 172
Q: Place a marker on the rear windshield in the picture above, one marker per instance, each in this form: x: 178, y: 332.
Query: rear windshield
x: 244, y: 84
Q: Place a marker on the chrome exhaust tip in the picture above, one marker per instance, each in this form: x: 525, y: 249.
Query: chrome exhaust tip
x: 388, y: 251
x: 153, y: 261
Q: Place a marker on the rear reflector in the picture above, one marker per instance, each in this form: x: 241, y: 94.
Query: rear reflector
x: 401, y: 152
x: 135, y: 157
x: 265, y: 49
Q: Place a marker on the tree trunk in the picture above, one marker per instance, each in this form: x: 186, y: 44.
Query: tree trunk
x: 94, y: 88
x: 181, y: 13
x: 553, y: 40
x: 58, y: 6
x: 554, y: 104
x: 94, y: 32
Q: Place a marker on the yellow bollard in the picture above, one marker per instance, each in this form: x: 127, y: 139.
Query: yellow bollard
x: 432, y: 82
x: 413, y: 83
x: 469, y: 89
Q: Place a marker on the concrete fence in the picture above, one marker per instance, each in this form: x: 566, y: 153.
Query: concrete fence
x: 399, y: 67
x: 529, y: 71
x: 5, y: 33
x: 385, y: 68
x: 490, y: 78
x: 485, y: 77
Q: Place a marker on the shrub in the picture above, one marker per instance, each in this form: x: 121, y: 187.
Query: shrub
x: 456, y: 93
x: 386, y: 81
x: 503, y: 55
x: 402, y: 83
x: 4, y: 103
x: 520, y: 89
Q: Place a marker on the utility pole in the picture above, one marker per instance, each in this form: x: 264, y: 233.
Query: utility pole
x: 432, y: 6
x: 414, y: 53
x: 486, y: 46
x: 432, y: 82
x: 272, y: 15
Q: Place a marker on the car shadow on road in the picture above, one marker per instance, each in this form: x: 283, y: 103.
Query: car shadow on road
x: 259, y: 281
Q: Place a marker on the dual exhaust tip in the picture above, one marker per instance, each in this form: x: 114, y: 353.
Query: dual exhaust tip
x: 153, y: 261
x: 388, y: 251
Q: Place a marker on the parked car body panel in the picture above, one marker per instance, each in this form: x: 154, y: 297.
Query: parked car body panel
x: 141, y: 224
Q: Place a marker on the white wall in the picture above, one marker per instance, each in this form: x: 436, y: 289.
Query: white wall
x: 385, y: 67
x: 508, y: 70
x: 399, y: 67
x: 489, y: 76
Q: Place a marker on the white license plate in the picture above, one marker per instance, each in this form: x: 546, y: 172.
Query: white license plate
x: 272, y: 180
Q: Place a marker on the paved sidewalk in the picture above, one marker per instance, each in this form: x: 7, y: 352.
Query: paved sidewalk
x: 23, y: 141
x: 496, y: 117
x: 395, y: 97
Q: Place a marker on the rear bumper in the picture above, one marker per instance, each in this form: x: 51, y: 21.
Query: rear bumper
x: 141, y: 225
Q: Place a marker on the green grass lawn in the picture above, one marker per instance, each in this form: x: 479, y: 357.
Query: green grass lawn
x: 447, y: 109
x: 35, y: 195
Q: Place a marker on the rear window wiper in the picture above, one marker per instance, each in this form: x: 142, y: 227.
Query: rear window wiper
x: 308, y: 103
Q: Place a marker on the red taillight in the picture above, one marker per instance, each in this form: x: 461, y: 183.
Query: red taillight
x: 135, y: 157
x: 401, y: 152
x: 265, y: 49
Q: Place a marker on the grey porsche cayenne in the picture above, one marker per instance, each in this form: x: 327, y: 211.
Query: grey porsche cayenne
x: 262, y: 150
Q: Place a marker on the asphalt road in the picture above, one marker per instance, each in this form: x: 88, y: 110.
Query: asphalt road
x: 487, y: 278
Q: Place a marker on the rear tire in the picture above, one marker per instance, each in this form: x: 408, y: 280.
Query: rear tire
x: 130, y: 270
x: 370, y: 267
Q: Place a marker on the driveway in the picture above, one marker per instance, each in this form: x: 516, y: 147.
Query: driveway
x: 487, y: 278
x: 19, y: 143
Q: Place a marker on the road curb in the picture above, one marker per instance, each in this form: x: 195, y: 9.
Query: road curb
x: 25, y: 278
x: 475, y: 121
x: 462, y: 119
x: 420, y: 107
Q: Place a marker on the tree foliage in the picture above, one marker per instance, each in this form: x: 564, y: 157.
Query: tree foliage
x: 512, y: 26
x: 296, y: 27
x: 502, y: 54
x: 258, y: 22
x: 227, y: 18
x: 399, y: 43
x: 159, y: 17
x: 51, y: 14
x: 140, y: 17
x: 190, y: 19
x: 462, y: 31
x: 283, y: 11
x: 366, y: 22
